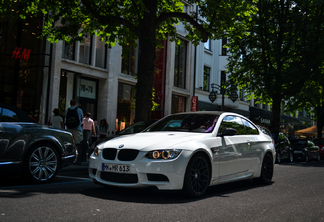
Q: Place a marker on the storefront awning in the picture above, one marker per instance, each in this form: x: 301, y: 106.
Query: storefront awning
x: 311, y: 131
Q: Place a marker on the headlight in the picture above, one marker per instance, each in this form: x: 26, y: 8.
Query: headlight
x: 96, y: 151
x: 163, y: 154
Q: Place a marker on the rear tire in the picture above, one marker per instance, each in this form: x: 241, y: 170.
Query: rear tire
x: 41, y: 164
x: 197, y: 176
x: 266, y: 170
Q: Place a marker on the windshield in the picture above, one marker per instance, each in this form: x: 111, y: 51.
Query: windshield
x: 203, y: 123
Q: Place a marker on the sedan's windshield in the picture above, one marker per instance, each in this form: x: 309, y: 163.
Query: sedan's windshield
x: 203, y: 123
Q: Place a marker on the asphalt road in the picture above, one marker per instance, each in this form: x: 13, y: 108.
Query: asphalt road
x: 296, y: 194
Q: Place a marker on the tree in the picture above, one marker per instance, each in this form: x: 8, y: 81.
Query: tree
x: 125, y: 21
x: 277, y: 54
x: 311, y: 98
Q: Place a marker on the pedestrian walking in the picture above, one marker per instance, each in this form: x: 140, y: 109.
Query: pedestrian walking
x: 56, y: 120
x: 88, y: 128
x: 104, y: 128
x: 73, y: 118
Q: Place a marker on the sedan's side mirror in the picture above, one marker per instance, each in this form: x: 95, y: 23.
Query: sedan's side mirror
x: 228, y: 132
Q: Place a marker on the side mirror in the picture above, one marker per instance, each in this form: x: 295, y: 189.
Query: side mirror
x: 228, y: 132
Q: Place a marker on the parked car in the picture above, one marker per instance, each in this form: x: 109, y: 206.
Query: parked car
x: 320, y: 143
x: 186, y: 151
x: 33, y: 150
x: 284, y: 151
x: 305, y: 150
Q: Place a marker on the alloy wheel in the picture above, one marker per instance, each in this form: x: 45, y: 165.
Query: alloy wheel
x: 42, y: 164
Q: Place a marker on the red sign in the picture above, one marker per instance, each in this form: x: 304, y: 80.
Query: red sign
x: 18, y: 55
x: 194, y: 103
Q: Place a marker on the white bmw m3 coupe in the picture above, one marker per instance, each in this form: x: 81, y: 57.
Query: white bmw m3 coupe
x: 186, y: 151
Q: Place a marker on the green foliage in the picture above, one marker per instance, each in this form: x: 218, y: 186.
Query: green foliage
x: 277, y: 52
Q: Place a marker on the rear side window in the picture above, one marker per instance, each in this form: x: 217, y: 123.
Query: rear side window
x: 250, y: 128
x: 9, y: 116
x: 233, y: 122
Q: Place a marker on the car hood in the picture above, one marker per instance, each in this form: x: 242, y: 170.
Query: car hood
x: 148, y: 140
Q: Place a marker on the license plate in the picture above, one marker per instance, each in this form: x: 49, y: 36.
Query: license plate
x: 119, y: 168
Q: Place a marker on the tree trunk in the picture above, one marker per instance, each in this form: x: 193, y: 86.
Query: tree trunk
x: 146, y: 62
x: 275, y: 120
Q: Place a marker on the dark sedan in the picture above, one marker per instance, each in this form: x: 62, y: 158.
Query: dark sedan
x: 284, y: 151
x: 33, y: 150
x: 305, y: 150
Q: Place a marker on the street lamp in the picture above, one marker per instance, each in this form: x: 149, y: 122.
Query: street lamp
x: 213, y: 94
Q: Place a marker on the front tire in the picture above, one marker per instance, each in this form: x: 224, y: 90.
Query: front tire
x: 41, y: 164
x: 197, y: 176
x: 266, y: 170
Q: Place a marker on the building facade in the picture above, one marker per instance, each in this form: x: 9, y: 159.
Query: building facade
x: 38, y: 76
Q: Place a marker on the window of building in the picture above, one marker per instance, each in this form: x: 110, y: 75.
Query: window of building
x: 101, y: 53
x: 128, y: 60
x: 85, y: 50
x: 180, y: 64
x: 223, y: 78
x: 241, y: 95
x: 68, y: 51
x: 178, y: 104
x: 207, y: 45
x: 224, y: 49
x: 206, y: 78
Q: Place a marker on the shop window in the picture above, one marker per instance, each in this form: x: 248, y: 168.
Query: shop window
x: 180, y: 64
x: 178, y: 104
x: 85, y: 50
x: 125, y: 106
x: 101, y: 53
x: 128, y: 59
x: 206, y: 78
x: 68, y: 51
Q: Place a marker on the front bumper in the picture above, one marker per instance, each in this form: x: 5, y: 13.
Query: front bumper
x: 163, y: 174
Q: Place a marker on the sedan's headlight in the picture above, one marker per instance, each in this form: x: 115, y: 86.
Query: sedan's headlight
x: 96, y: 151
x: 163, y: 154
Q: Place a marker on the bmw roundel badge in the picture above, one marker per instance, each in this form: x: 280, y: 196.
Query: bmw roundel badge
x: 121, y: 146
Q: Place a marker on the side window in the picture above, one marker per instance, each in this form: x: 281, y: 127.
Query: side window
x: 233, y: 122
x: 9, y: 116
x: 250, y: 128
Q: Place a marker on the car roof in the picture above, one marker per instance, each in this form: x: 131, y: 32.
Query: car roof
x: 21, y: 114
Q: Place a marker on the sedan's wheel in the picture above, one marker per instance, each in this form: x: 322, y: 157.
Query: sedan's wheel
x: 41, y: 164
x: 197, y: 177
x: 266, y: 170
x: 278, y: 158
x: 291, y: 157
